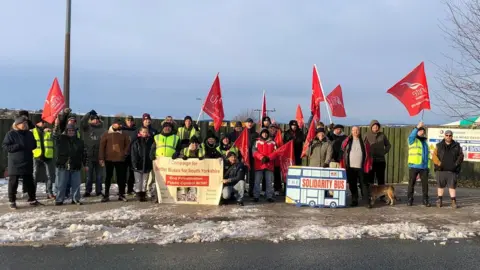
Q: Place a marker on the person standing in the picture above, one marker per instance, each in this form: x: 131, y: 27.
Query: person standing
x: 358, y: 162
x: 447, y: 158
x: 252, y: 138
x: 379, y: 146
x: 130, y: 129
x: 93, y: 131
x: 210, y: 146
x: 418, y: 156
x: 20, y: 143
x: 141, y: 162
x: 234, y: 179
x: 263, y: 147
x: 169, y: 119
x: 147, y: 123
x: 114, y: 148
x: 187, y: 131
x: 43, y: 157
x: 236, y: 132
x: 336, y: 137
x: 295, y: 134
x: 320, y: 151
x: 71, y: 154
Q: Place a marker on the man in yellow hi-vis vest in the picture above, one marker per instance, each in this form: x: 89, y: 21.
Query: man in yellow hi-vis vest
x: 418, y: 156
x: 187, y: 131
x: 43, y: 156
x: 165, y: 144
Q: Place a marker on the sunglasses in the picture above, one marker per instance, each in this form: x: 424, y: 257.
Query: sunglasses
x: 448, y: 135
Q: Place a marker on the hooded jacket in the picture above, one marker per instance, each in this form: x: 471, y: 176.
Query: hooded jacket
x: 320, y: 153
x: 70, y: 152
x: 298, y: 138
x: 140, y: 154
x: 337, y: 141
x: 379, y: 144
x: 91, y: 136
x: 263, y: 148
x: 114, y: 146
x: 19, y: 144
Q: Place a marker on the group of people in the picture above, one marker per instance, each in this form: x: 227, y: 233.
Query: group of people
x: 129, y: 152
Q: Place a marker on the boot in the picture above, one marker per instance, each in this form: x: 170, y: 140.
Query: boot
x: 138, y: 196
x: 369, y: 204
x: 410, y: 202
x: 426, y: 203
x: 105, y: 198
x: 143, y: 196
x: 454, y: 203
x: 439, y: 202
x: 354, y: 202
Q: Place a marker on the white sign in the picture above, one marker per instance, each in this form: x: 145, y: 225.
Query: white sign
x: 469, y: 140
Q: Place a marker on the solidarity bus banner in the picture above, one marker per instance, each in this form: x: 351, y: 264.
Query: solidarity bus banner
x: 469, y: 140
x: 189, y: 181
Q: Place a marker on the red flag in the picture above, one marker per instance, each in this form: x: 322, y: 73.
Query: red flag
x: 278, y: 138
x: 299, y: 117
x: 317, y: 94
x: 264, y: 105
x: 213, y: 105
x: 54, y: 103
x: 285, y: 157
x: 335, y: 101
x: 412, y: 91
x: 242, y: 144
x: 310, y: 136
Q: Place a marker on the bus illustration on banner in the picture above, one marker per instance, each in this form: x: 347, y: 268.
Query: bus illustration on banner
x: 316, y: 187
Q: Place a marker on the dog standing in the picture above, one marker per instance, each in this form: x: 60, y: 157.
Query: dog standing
x: 383, y: 190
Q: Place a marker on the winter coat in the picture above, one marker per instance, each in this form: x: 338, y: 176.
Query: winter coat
x: 379, y: 144
x: 70, y: 152
x: 263, y: 148
x: 175, y: 126
x: 337, y: 141
x: 366, y: 157
x: 132, y: 132
x: 320, y: 153
x: 252, y: 138
x: 186, y: 133
x: 19, y: 144
x: 211, y: 150
x: 233, y: 136
x: 140, y: 154
x: 234, y: 174
x: 114, y: 146
x: 91, y: 137
x: 178, y: 146
x: 151, y: 131
x: 425, y: 151
x: 298, y: 138
x: 448, y: 157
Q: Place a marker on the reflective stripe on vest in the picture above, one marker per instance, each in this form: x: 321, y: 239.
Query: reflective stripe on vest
x: 232, y: 149
x: 47, y: 144
x: 201, y: 152
x: 415, y: 152
x: 181, y: 132
x: 166, y: 146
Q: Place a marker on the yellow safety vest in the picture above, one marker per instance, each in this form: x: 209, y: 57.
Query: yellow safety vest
x: 47, y: 144
x: 166, y: 146
x: 183, y: 133
x: 232, y: 149
x: 415, y: 152
x: 201, y: 152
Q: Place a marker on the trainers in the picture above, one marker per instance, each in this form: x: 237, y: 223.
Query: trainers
x: 454, y: 204
x: 13, y: 206
x: 439, y: 203
x: 105, y: 199
x: 122, y: 198
x: 131, y: 193
x: 410, y: 202
x: 35, y: 203
x: 77, y: 203
x: 277, y: 193
x: 86, y: 195
x: 51, y: 197
x: 58, y: 203
x: 262, y: 193
x: 240, y: 204
x: 426, y: 203
x: 270, y: 200
x: 99, y: 194
x: 256, y: 199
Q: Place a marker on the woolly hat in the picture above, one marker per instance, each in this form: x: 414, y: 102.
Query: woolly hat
x: 231, y: 154
x: 129, y: 117
x: 249, y: 120
x: 238, y: 124
x: 338, y: 126
x: 167, y: 124
x: 188, y: 117
x: 264, y: 130
x: 211, y: 134
x: 146, y: 116
x: 318, y: 130
x: 117, y: 121
x: 19, y: 120
x: 194, y: 139
x: 94, y: 116
x: 266, y: 118
x: 293, y: 123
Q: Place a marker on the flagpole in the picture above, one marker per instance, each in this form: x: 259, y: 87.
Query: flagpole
x: 324, y: 97
x: 200, y: 114
x: 423, y: 111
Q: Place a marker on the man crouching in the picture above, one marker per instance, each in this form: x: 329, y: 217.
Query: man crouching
x: 234, y: 179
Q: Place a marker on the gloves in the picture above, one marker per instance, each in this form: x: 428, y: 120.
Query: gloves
x: 326, y: 165
x: 195, y: 126
x: 265, y: 160
x: 67, y: 110
x: 184, y: 157
x: 93, y: 112
x: 175, y: 156
x: 201, y: 158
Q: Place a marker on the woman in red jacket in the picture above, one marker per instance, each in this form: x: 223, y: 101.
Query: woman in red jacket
x: 264, y: 146
x: 358, y: 162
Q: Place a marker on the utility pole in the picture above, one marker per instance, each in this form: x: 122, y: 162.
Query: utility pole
x: 66, y: 71
x: 260, y: 111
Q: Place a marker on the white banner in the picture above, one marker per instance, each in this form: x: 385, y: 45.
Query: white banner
x: 469, y: 140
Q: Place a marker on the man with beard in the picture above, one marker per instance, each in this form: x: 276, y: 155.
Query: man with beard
x: 295, y: 134
x: 210, y: 146
x: 93, y: 130
x: 418, y: 155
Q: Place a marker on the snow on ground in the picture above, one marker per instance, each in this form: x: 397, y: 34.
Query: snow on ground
x: 116, y: 222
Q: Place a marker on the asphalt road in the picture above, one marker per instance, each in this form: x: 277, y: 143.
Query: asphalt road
x: 318, y: 254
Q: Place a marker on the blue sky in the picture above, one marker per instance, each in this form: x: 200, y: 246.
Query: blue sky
x: 159, y: 56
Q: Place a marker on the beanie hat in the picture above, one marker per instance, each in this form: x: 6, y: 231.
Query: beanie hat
x: 188, y: 117
x: 210, y: 134
x: 338, y: 126
x: 293, y: 123
x: 249, y: 120
x: 167, y: 124
x: 19, y: 120
x: 422, y: 128
x: 70, y: 126
x: 264, y: 130
x: 231, y: 154
x: 146, y: 116
x: 238, y: 124
x: 129, y: 117
x: 318, y: 130
x: 117, y: 121
x: 93, y: 117
x: 23, y: 113
x: 194, y: 139
x: 266, y: 118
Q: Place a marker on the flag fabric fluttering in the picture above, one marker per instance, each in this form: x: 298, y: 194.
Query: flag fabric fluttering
x: 299, y: 117
x: 279, y: 138
x: 242, y: 144
x: 412, y: 91
x: 335, y: 101
x: 317, y: 94
x: 285, y: 157
x: 54, y: 103
x: 213, y: 105
x: 264, y: 105
x: 309, y: 139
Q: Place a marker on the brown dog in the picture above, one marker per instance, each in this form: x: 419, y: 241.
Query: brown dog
x: 383, y: 190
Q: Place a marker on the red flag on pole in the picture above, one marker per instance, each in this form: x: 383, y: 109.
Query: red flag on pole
x: 412, y: 91
x: 310, y: 136
x: 242, y: 144
x: 264, y: 106
x: 54, y: 103
x: 335, y: 101
x: 285, y: 157
x: 317, y: 94
x: 278, y: 138
x: 213, y: 105
x: 299, y: 117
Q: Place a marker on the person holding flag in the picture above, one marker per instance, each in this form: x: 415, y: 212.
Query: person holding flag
x: 296, y: 135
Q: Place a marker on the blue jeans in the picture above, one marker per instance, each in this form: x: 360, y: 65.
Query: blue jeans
x: 238, y: 190
x: 268, y: 182
x: 66, y: 177
x: 95, y: 171
x: 49, y: 166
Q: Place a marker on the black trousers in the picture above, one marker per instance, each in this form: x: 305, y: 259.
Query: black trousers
x: 28, y: 185
x: 378, y: 171
x: 251, y: 178
x: 277, y: 179
x: 355, y: 176
x: 412, y: 179
x: 130, y: 175
x: 121, y: 173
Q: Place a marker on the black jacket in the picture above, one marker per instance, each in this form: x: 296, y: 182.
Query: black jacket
x: 234, y: 174
x: 70, y: 153
x: 140, y: 154
x: 336, y: 145
x: 298, y: 138
x: 450, y: 156
x: 19, y: 144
